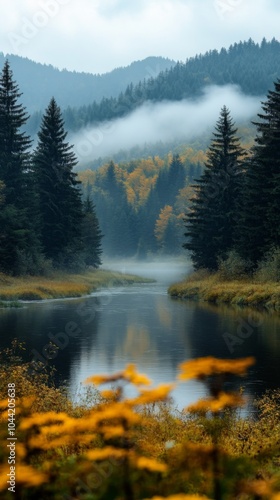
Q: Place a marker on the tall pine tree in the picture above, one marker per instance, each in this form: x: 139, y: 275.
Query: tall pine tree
x: 212, y: 216
x: 259, y: 227
x: 58, y: 191
x: 91, y: 235
x: 19, y: 245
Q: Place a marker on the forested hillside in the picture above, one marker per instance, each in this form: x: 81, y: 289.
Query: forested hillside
x: 141, y: 204
x: 145, y: 200
x: 39, y: 82
x: 253, y: 67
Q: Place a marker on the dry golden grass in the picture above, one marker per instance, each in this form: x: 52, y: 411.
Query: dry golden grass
x: 60, y: 285
x: 211, y: 288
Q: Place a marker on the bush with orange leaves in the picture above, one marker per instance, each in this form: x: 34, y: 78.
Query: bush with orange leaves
x: 136, y: 448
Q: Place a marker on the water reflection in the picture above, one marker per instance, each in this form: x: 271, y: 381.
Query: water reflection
x: 142, y: 325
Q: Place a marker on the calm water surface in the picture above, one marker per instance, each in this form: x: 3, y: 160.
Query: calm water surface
x: 143, y: 325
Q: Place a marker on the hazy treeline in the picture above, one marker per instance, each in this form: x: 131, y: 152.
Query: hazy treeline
x: 141, y: 204
x: 39, y: 82
x: 251, y: 66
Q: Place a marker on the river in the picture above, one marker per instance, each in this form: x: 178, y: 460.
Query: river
x: 141, y: 324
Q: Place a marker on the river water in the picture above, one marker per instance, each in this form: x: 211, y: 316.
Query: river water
x: 141, y: 324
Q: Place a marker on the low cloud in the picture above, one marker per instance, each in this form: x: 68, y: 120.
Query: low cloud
x: 165, y: 122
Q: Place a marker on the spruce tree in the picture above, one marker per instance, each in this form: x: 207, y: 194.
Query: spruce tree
x: 176, y: 179
x: 20, y: 249
x: 259, y: 227
x: 212, y: 216
x: 58, y: 191
x: 91, y: 235
x: 14, y: 144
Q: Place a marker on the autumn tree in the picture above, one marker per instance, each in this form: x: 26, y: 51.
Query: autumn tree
x: 166, y: 230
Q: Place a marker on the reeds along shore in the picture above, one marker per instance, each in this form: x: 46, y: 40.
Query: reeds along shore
x: 61, y: 285
x: 245, y: 291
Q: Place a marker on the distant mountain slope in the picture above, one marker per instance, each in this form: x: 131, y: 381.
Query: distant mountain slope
x: 39, y: 82
x: 253, y: 67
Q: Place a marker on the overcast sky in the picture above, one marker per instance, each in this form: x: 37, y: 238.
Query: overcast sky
x: 99, y: 35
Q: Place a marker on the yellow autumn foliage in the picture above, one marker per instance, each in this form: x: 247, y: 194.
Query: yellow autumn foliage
x: 180, y: 496
x: 159, y: 393
x: 201, y: 368
x: 150, y: 464
x: 25, y: 475
x: 222, y: 401
x: 129, y: 374
x: 143, y: 445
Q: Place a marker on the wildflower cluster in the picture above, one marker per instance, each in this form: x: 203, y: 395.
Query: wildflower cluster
x: 138, y: 447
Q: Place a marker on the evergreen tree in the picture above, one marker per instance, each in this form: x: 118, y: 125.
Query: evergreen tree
x: 176, y: 179
x: 91, y: 235
x: 212, y: 216
x: 14, y: 144
x: 259, y: 227
x: 20, y: 249
x: 58, y: 191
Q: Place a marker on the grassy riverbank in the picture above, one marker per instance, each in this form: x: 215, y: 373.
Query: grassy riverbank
x: 213, y: 288
x: 61, y: 285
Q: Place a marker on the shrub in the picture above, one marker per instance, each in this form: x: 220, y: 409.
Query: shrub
x: 269, y: 267
x: 233, y: 267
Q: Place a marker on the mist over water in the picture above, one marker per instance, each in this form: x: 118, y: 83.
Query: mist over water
x: 165, y: 122
x: 163, y: 271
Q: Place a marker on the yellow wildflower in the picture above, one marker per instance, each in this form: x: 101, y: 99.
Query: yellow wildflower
x: 105, y: 453
x: 180, y: 496
x: 103, y: 379
x: 29, y: 476
x: 113, y: 432
x: 3, y: 477
x: 59, y: 441
x: 42, y: 419
x: 258, y: 487
x: 117, y: 411
x: 160, y: 393
x: 25, y: 474
x: 203, y: 367
x: 109, y: 394
x: 223, y: 401
x: 150, y: 464
x: 3, y: 404
x: 129, y: 374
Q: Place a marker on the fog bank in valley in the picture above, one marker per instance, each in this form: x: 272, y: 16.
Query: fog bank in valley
x: 165, y: 122
x: 164, y: 270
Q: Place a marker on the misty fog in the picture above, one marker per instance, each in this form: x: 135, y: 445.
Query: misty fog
x: 165, y: 271
x: 165, y: 121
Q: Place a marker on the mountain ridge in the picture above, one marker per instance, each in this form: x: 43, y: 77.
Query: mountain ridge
x: 39, y: 82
